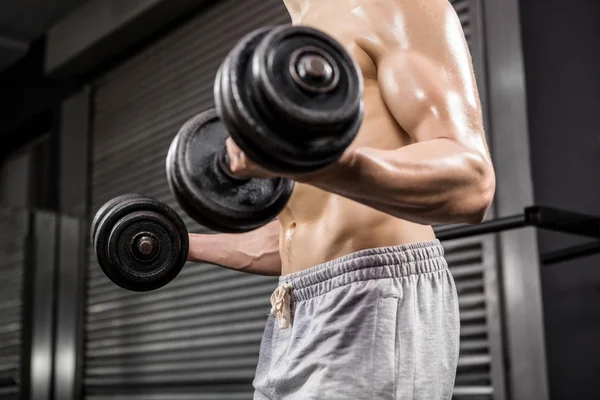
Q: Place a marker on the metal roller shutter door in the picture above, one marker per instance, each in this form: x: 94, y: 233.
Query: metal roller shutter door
x: 13, y: 229
x: 198, y: 337
x: 474, y: 268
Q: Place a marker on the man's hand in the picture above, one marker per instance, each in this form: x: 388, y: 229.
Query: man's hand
x: 242, y: 166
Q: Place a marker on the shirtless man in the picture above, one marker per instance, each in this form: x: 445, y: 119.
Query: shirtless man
x: 366, y: 307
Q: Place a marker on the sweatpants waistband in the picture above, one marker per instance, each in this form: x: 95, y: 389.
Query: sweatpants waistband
x: 377, y: 263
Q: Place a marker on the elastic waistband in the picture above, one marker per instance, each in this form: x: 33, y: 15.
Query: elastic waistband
x: 377, y: 263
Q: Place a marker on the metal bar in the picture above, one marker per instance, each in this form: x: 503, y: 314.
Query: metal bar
x: 563, y: 221
x: 493, y: 226
x: 41, y: 317
x: 69, y: 310
x: 570, y: 253
x: 539, y: 216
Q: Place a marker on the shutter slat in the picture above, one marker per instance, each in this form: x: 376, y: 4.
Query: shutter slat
x: 467, y: 270
x: 473, y: 391
x: 469, y: 285
x: 474, y: 345
x: 474, y: 330
x: 10, y: 304
x: 471, y: 300
x: 473, y: 378
x: 468, y: 361
x: 470, y: 315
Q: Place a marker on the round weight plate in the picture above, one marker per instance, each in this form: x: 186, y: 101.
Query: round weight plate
x: 261, y: 131
x: 236, y: 110
x: 277, y: 66
x: 208, y: 195
x: 102, y: 211
x: 251, y: 129
x: 141, y: 244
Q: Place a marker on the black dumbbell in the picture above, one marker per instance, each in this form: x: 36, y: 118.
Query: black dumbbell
x: 199, y: 176
x: 291, y: 99
x: 141, y: 244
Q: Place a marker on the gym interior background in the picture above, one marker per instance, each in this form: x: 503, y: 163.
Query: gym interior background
x: 92, y: 92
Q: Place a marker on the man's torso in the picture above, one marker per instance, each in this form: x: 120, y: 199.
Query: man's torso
x: 318, y: 226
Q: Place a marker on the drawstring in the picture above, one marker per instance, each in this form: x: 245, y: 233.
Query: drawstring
x: 280, y: 305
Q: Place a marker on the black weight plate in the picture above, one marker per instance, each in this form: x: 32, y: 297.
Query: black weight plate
x: 267, y: 139
x: 102, y: 211
x: 209, y: 196
x: 272, y: 73
x: 242, y: 126
x: 123, y: 223
x: 249, y: 127
x: 321, y: 121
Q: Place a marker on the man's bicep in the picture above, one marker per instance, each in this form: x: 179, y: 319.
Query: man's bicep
x: 424, y: 102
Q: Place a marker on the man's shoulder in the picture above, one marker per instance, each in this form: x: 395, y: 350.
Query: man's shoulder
x: 424, y: 28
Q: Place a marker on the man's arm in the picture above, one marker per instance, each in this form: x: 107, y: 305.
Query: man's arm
x: 255, y: 252
x: 446, y: 174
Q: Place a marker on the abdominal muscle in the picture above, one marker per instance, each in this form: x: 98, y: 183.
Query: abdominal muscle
x: 317, y: 226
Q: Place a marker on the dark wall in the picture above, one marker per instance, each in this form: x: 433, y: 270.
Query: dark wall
x: 561, y: 42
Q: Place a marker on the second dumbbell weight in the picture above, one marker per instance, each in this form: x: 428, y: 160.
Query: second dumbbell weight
x: 291, y: 99
x: 141, y: 244
x: 199, y: 176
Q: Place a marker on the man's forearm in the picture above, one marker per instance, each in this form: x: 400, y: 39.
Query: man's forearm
x: 255, y: 252
x: 437, y: 181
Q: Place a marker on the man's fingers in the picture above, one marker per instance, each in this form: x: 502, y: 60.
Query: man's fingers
x: 237, y: 158
x: 233, y: 153
x: 240, y: 164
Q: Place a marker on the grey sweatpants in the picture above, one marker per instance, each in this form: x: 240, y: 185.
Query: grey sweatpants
x: 376, y: 324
